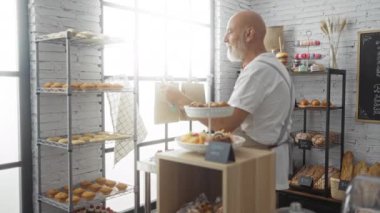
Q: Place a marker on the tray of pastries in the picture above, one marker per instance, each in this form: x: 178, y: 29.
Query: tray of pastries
x: 86, y: 138
x: 86, y: 191
x: 314, y: 103
x: 81, y: 86
x: 317, y: 138
x: 209, y: 110
x: 198, y: 142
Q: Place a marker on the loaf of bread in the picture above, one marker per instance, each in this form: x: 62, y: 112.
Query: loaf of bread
x: 302, y: 136
x: 360, y: 168
x: 374, y: 170
x: 347, y: 166
x: 320, y: 184
x: 313, y: 171
x: 294, y: 181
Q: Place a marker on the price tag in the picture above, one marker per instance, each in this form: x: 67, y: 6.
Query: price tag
x: 304, y: 144
x: 343, y: 184
x: 220, y: 152
x: 305, y: 181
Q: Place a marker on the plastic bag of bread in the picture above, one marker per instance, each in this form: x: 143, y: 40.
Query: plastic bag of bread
x: 347, y: 166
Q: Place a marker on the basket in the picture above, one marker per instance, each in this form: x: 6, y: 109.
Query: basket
x: 335, y: 192
x: 334, y: 138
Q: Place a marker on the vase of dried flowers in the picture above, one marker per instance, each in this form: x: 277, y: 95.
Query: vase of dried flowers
x: 333, y: 28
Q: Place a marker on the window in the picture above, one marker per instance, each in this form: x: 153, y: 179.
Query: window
x: 15, y: 162
x: 162, y: 38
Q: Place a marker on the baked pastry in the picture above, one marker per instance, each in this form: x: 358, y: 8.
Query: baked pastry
x: 121, y: 186
x: 75, y: 137
x: 324, y: 103
x: 94, y: 187
x: 78, y: 141
x: 76, y: 199
x: 360, y: 168
x: 110, y: 183
x: 332, y: 173
x: 100, y: 180
x: 53, y: 139
x: 315, y: 103
x: 87, y: 195
x: 61, y: 197
x: 303, y: 103
x: 66, y: 188
x: 63, y: 140
x: 47, y: 85
x: 374, y: 170
x: 51, y: 193
x: 105, y: 190
x: 87, y: 86
x: 85, y: 183
x: 318, y: 140
x: 116, y: 86
x: 221, y: 137
x: 303, y: 171
x: 302, y: 136
x: 57, y: 85
x: 347, y: 166
x: 85, y: 138
x: 78, y: 191
x: 90, y: 135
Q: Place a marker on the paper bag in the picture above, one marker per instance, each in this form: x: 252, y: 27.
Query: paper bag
x: 163, y: 111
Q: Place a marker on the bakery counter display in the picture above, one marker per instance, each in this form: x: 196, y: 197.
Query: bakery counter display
x: 315, y: 104
x: 82, y: 139
x: 85, y: 193
x: 198, y: 142
x: 99, y: 208
x: 315, y: 139
x: 81, y: 87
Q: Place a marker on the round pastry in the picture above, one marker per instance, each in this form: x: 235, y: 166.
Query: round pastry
x: 51, y: 193
x: 197, y: 104
x: 47, y: 85
x: 63, y: 140
x: 94, y: 187
x: 282, y: 57
x: 105, y: 190
x: 324, y: 103
x: 110, y: 183
x: 121, y: 186
x: 78, y: 141
x: 304, y: 102
x: 53, y: 139
x: 100, y: 180
x: 75, y: 199
x: 221, y: 137
x: 57, y: 85
x: 315, y: 103
x: 61, y: 197
x: 85, y: 183
x: 318, y: 140
x: 88, y: 195
x: 302, y: 136
x: 78, y: 191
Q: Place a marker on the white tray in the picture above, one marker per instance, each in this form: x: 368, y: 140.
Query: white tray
x: 201, y: 148
x: 206, y: 112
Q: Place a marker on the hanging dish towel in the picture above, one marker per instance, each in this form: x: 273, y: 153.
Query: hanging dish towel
x: 122, y: 115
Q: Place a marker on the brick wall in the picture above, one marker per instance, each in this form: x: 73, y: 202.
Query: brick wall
x: 298, y: 16
x: 49, y: 16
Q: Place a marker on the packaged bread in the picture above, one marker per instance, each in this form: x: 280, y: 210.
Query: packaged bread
x: 347, y: 166
x: 360, y: 168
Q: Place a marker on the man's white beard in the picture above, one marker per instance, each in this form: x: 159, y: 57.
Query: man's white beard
x: 233, y: 55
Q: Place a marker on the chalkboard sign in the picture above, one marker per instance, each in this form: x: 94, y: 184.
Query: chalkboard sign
x: 368, y: 80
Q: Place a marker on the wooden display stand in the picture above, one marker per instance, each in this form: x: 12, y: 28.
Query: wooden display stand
x: 246, y: 185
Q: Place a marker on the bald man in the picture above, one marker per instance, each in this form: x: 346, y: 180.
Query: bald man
x: 262, y: 96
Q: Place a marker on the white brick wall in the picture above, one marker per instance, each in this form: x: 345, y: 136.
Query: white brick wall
x: 297, y: 16
x: 48, y: 16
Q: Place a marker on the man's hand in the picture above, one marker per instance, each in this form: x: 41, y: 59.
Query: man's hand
x: 174, y: 96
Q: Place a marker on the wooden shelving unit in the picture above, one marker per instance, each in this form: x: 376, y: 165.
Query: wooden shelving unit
x: 246, y: 185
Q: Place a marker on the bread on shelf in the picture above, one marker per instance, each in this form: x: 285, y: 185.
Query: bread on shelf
x: 100, y: 180
x: 347, y: 166
x: 361, y: 168
x: 76, y: 199
x: 121, y: 186
x: 94, y: 187
x: 105, y: 190
x: 110, y: 183
x: 85, y: 184
x: 87, y: 195
x: 61, y: 197
x: 315, y: 103
x: 78, y: 191
x: 51, y: 193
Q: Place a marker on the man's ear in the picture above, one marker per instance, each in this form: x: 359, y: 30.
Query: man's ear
x: 249, y: 34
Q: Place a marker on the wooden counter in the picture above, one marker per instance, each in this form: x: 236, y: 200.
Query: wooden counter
x: 246, y: 185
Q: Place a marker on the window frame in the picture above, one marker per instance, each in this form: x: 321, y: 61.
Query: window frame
x: 136, y: 11
x: 25, y: 133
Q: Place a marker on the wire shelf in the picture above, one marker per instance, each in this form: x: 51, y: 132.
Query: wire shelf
x: 64, y: 91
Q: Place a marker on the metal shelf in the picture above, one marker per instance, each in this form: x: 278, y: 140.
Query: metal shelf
x: 318, y: 108
x: 93, y: 40
x: 308, y: 73
x: 65, y: 92
x: 87, y: 144
x: 84, y: 203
